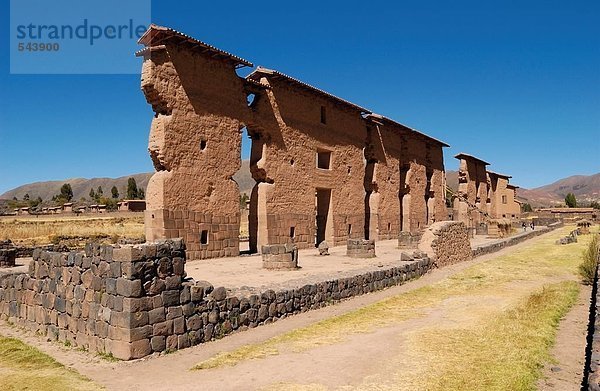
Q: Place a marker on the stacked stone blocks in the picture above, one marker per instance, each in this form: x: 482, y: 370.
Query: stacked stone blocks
x: 132, y: 301
x: 280, y: 256
x: 360, y: 248
x: 8, y: 254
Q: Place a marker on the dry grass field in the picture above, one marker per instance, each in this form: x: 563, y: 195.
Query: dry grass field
x: 76, y: 230
x: 489, y: 327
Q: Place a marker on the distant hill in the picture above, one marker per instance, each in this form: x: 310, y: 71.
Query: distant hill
x: 452, y: 180
x: 585, y: 187
x: 81, y: 186
x: 244, y: 178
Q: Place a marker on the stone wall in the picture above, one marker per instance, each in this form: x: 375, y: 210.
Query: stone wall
x: 8, y: 254
x: 591, y: 379
x: 280, y: 257
x: 511, y: 241
x: 7, y: 257
x: 360, y: 248
x: 132, y: 301
x: 93, y: 299
x: 446, y: 242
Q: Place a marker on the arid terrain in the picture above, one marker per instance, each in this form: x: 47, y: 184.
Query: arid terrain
x: 585, y: 188
x: 515, y: 320
x: 71, y: 230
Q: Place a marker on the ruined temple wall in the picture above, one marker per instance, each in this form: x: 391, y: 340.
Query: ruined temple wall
x: 481, y: 192
x: 499, y: 208
x: 513, y: 207
x: 473, y: 185
x: 198, y: 103
x: 420, y: 160
x: 404, y: 149
x: 387, y: 179
x: 290, y: 123
x: 438, y: 185
x: 492, y: 204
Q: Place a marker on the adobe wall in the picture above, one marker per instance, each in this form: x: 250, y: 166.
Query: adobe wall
x: 410, y: 181
x: 496, y: 188
x: 513, y: 208
x: 471, y: 201
x: 201, y: 106
x: 289, y: 161
x: 195, y: 126
x: 386, y: 148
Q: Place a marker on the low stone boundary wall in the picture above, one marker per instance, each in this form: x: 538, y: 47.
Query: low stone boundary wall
x: 132, y: 301
x: 591, y: 379
x: 360, y: 248
x: 92, y: 299
x: 511, y: 241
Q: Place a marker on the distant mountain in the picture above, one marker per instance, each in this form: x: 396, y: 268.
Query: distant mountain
x: 585, y: 188
x: 81, y: 186
x: 452, y: 180
x: 244, y: 178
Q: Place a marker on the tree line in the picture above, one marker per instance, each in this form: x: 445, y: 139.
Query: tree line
x: 65, y: 195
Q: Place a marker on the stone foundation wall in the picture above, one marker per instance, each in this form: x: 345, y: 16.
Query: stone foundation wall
x: 221, y: 238
x: 92, y: 299
x: 446, y: 242
x: 7, y: 257
x: 280, y: 257
x: 360, y: 248
x: 132, y: 301
x: 279, y: 227
x: 409, y: 239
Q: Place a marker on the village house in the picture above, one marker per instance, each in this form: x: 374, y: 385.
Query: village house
x: 132, y: 206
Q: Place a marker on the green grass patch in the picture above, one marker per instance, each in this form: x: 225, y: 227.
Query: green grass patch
x: 23, y: 367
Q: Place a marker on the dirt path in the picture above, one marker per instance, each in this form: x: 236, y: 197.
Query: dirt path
x: 569, y: 351
x: 364, y: 360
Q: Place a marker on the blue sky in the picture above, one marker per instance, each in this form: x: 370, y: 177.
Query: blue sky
x: 516, y: 83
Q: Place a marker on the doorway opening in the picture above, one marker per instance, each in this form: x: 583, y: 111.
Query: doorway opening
x: 322, y: 203
x: 246, y: 184
x: 404, y: 198
x: 428, y: 205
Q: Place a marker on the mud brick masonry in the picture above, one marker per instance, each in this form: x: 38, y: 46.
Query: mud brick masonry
x: 484, y: 197
x: 324, y: 168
